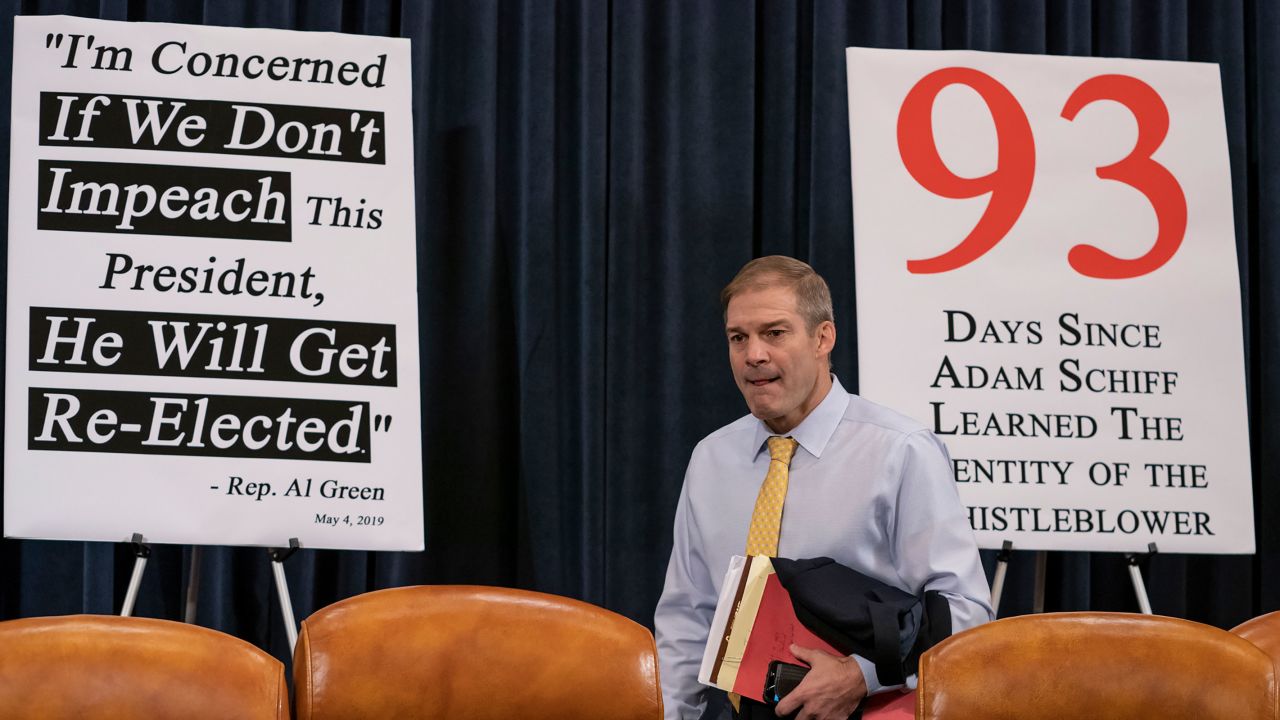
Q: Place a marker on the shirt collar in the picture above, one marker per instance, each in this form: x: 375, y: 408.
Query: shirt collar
x: 814, y: 431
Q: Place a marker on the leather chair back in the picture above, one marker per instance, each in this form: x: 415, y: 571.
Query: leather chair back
x: 104, y: 666
x: 1096, y: 666
x: 475, y: 653
x: 1264, y: 632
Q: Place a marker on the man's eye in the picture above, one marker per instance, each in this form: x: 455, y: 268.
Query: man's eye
x: 775, y: 333
x: 735, y: 338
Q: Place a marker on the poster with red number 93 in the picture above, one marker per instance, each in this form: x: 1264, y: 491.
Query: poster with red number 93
x: 1047, y: 279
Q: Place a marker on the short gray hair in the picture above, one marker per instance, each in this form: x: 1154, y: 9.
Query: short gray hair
x: 813, y: 297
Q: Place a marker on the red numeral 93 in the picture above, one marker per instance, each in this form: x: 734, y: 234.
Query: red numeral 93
x: 1009, y: 184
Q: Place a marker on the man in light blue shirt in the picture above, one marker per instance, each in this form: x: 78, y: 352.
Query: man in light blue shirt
x: 868, y: 487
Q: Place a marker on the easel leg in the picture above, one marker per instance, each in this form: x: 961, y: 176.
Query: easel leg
x: 278, y: 556
x: 193, y: 586
x: 997, y: 583
x: 1135, y: 574
x: 141, y: 551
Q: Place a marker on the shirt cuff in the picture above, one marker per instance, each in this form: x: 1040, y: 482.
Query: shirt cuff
x: 873, y: 680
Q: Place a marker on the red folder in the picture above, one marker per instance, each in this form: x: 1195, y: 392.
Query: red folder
x: 772, y: 633
x: 770, y: 627
x: 776, y: 628
x: 891, y: 705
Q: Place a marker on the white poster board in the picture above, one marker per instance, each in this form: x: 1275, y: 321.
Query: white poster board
x: 1047, y: 278
x: 212, y: 304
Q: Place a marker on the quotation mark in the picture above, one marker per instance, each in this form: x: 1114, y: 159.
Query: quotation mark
x: 54, y: 40
x: 382, y: 422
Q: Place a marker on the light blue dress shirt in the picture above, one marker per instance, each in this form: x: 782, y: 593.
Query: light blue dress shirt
x: 868, y: 487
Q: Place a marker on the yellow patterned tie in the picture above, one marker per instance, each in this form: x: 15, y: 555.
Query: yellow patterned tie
x: 766, y: 519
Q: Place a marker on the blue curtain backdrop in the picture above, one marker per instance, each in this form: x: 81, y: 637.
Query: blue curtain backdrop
x: 589, y: 174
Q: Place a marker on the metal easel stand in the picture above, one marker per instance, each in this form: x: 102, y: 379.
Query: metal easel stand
x: 1135, y: 560
x: 141, y: 551
x: 1002, y: 568
x: 278, y: 556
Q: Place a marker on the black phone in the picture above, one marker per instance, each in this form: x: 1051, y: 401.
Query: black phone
x: 781, y: 679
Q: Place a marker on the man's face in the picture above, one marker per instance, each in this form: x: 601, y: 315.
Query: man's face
x: 780, y: 367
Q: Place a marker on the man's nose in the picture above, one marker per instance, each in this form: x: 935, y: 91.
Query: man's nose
x: 757, y: 352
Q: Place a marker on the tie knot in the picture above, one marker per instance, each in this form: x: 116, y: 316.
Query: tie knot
x: 782, y: 448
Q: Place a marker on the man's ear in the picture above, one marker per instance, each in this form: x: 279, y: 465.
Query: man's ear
x: 826, y: 337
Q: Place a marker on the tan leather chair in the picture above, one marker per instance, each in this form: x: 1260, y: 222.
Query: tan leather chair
x: 473, y: 653
x: 1096, y: 666
x: 1264, y: 632
x: 102, y: 667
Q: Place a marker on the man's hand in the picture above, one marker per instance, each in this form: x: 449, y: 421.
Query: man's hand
x: 831, y: 691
